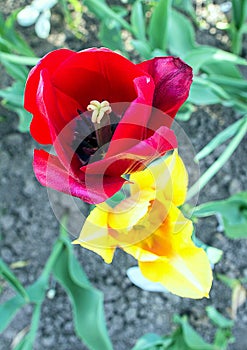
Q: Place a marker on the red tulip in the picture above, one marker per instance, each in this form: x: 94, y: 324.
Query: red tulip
x: 64, y: 92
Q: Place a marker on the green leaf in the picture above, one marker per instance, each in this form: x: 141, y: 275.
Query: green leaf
x: 9, y: 34
x: 8, y: 275
x: 223, y: 338
x: 185, y: 112
x: 36, y: 294
x: 239, y: 13
x: 8, y: 311
x: 218, y: 319
x: 29, y: 61
x: 233, y: 211
x: 217, y: 165
x: 13, y: 100
x: 192, y: 339
x: 206, y: 54
x: 159, y: 25
x: 103, y: 11
x: 27, y: 342
x: 15, y: 71
x: 110, y: 35
x: 14, y: 94
x: 148, y: 341
x: 228, y: 69
x: 202, y: 93
x: 229, y: 282
x: 137, y: 20
x: 182, y: 39
x: 87, y: 302
x: 143, y: 48
x: 222, y: 137
x: 229, y: 82
x: 185, y: 5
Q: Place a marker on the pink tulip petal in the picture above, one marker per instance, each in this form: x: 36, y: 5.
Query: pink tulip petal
x: 50, y: 173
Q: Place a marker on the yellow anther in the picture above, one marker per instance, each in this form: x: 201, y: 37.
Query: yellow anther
x: 99, y: 109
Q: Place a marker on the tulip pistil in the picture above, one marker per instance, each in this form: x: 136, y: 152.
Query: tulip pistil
x: 99, y: 109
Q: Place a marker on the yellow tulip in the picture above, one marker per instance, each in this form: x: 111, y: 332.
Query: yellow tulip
x: 149, y: 226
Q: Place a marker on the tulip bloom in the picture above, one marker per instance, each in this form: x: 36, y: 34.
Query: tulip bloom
x: 82, y: 101
x: 149, y: 226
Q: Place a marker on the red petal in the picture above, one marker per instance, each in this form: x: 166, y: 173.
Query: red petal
x: 50, y: 173
x: 57, y: 117
x: 134, y: 158
x: 39, y: 127
x: 172, y: 78
x: 132, y: 127
x: 97, y: 74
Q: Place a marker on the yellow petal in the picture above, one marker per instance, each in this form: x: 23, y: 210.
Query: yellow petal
x: 128, y: 212
x: 170, y: 257
x: 176, y: 188
x: 165, y: 233
x: 167, y: 175
x: 95, y: 234
x: 154, y: 176
x: 187, y: 274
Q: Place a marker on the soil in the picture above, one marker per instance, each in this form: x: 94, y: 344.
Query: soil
x: 29, y: 227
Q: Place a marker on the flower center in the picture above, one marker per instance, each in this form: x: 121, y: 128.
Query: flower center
x: 99, y: 109
x: 93, y: 133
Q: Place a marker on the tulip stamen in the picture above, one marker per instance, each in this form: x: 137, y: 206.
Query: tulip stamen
x: 101, y: 121
x: 99, y: 109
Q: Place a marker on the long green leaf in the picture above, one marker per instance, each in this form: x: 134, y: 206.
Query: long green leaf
x: 9, y: 34
x: 143, y: 48
x: 27, y: 342
x: 15, y: 71
x: 207, y: 54
x: 102, y: 10
x: 29, y: 61
x: 8, y: 275
x: 159, y: 25
x: 228, y: 69
x: 87, y: 302
x: 137, y: 20
x: 185, y: 5
x: 9, y: 309
x: 239, y: 12
x: 182, y: 39
x: 110, y: 35
x: 204, y: 92
x: 217, y: 165
x: 222, y: 137
x: 229, y: 82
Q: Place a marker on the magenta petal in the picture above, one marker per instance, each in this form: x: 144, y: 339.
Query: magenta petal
x: 172, y: 78
x: 94, y: 189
